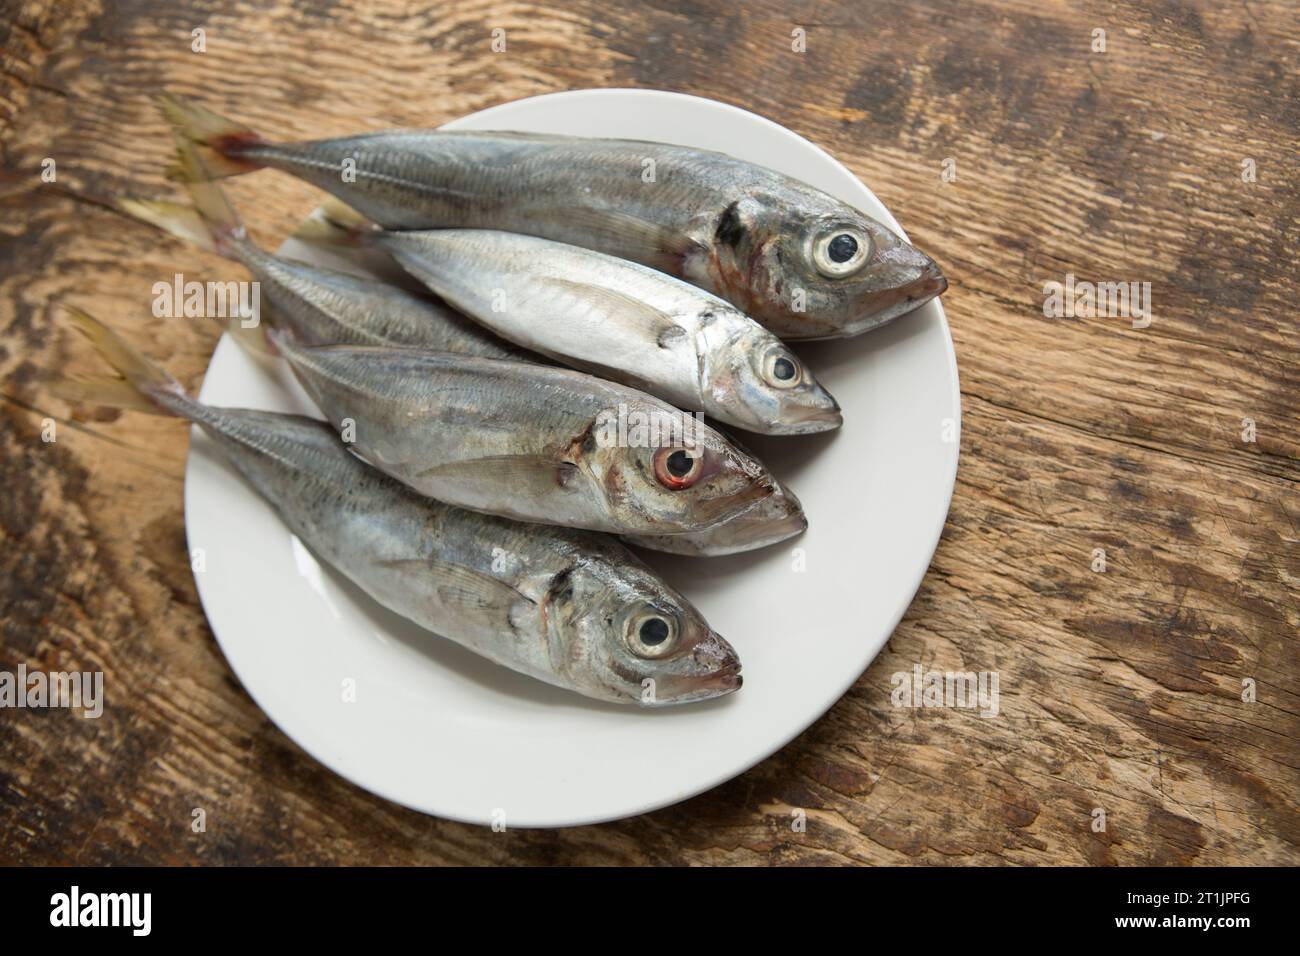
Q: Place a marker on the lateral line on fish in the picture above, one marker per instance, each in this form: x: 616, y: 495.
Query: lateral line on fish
x: 363, y: 173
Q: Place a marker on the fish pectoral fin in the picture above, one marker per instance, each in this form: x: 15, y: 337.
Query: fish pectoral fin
x: 527, y: 473
x: 616, y: 231
x: 473, y: 595
x: 659, y: 329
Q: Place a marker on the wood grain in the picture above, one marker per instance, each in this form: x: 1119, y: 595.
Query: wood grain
x: 1120, y: 690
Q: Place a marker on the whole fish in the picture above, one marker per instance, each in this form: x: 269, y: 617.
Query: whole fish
x: 529, y: 441
x: 571, y: 608
x: 317, y: 305
x: 610, y: 317
x: 798, y: 260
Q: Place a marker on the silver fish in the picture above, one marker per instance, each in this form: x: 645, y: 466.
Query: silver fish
x: 571, y: 608
x: 801, y: 262
x: 529, y: 441
x: 613, y: 318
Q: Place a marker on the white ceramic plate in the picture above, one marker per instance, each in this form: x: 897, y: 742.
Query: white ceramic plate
x: 437, y: 729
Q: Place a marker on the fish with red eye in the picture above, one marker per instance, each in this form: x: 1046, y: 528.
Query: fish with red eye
x: 678, y: 467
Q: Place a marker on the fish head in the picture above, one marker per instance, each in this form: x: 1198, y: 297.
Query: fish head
x: 759, y: 384
x: 633, y: 639
x: 665, y: 471
x: 808, y: 266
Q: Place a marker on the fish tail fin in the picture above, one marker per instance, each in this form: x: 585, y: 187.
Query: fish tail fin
x: 219, y: 141
x: 210, y: 223
x: 139, y: 384
x: 176, y: 218
x: 336, y: 223
x: 256, y: 340
x: 101, y: 390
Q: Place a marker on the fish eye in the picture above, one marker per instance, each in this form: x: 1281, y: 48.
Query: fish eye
x: 781, y: 369
x: 677, y: 468
x: 840, y: 251
x: 651, y: 633
x: 842, y: 248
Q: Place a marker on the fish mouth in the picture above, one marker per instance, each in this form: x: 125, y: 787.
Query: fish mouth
x: 773, y: 520
x: 768, y: 522
x: 722, y: 677
x: 820, y: 413
x: 927, y: 282
x: 719, y: 511
x: 783, y: 506
x: 772, y: 531
x: 722, y: 682
x: 725, y: 681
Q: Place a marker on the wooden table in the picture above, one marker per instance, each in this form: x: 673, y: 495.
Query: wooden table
x: 1121, y: 691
